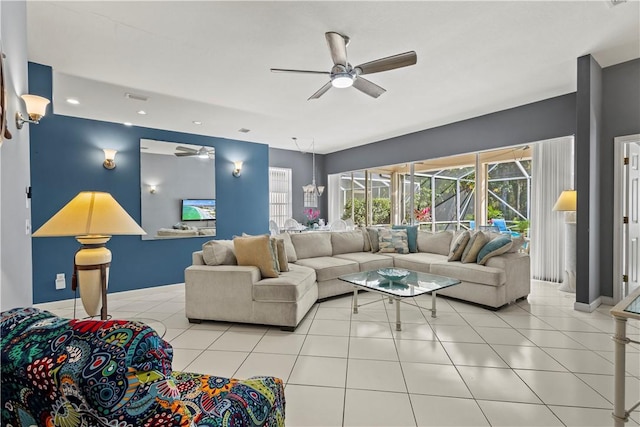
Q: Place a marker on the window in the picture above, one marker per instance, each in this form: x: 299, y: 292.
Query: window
x: 280, y: 195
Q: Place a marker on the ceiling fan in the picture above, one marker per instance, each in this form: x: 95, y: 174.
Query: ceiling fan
x: 202, y: 153
x: 344, y: 75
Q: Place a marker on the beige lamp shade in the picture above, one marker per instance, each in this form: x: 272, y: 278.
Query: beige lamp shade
x: 566, y: 201
x: 36, y: 106
x: 90, y: 213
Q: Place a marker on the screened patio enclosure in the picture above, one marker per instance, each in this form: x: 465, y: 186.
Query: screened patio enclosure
x: 441, y: 194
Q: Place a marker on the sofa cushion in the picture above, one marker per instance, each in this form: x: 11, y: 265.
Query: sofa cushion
x: 391, y: 241
x: 256, y: 251
x: 288, y: 246
x: 367, y: 260
x: 420, y: 261
x: 518, y: 242
x: 347, y: 242
x: 290, y: 286
x: 219, y: 252
x: 476, y: 242
x: 473, y: 273
x: 412, y: 236
x: 436, y: 243
x: 310, y: 245
x: 328, y: 268
x: 495, y: 247
x: 457, y: 246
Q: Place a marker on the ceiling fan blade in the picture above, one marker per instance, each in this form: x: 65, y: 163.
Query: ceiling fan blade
x: 284, y: 70
x: 184, y: 154
x: 320, y: 91
x: 370, y: 88
x: 187, y: 149
x: 389, y: 63
x: 338, y: 47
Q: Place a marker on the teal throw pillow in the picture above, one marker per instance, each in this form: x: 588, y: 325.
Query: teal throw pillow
x: 497, y: 246
x: 412, y: 236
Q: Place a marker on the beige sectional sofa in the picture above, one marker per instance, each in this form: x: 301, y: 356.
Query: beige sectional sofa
x: 238, y: 293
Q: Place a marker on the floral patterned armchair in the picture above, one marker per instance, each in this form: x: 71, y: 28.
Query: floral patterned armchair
x: 61, y: 372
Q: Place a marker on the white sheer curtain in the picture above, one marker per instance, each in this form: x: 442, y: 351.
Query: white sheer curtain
x: 551, y: 172
x: 333, y: 200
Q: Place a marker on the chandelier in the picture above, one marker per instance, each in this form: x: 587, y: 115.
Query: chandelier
x: 312, y: 189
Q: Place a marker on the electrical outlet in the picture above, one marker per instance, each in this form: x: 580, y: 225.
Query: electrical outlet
x: 27, y: 229
x: 61, y: 282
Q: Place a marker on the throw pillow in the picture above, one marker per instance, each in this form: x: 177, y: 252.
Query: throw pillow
x: 435, y: 243
x: 282, y: 255
x: 412, y: 236
x: 393, y: 241
x: 288, y: 247
x: 274, y: 249
x: 256, y: 251
x: 367, y: 239
x: 373, y: 238
x: 476, y: 242
x: 497, y: 246
x: 219, y: 252
x: 458, y: 246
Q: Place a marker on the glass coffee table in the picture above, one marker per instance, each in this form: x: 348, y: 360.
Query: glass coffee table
x: 398, y: 285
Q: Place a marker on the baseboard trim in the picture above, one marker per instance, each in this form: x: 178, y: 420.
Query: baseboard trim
x: 587, y: 308
x: 607, y: 301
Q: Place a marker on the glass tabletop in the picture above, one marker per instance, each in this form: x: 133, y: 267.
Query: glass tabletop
x: 412, y: 285
x: 634, y: 307
x: 629, y: 307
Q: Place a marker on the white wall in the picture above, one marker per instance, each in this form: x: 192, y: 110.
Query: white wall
x: 15, y: 245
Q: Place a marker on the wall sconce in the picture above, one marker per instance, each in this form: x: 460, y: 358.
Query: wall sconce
x: 36, y: 109
x: 237, y: 168
x: 153, y: 189
x: 109, y: 158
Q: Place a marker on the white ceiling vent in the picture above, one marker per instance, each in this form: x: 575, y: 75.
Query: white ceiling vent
x: 135, y: 96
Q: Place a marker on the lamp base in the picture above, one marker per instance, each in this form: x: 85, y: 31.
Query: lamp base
x: 569, y: 282
x: 91, y: 273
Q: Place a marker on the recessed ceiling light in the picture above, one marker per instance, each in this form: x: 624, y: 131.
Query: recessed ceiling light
x: 197, y: 122
x: 244, y: 130
x: 127, y: 123
x: 142, y: 112
x: 73, y: 101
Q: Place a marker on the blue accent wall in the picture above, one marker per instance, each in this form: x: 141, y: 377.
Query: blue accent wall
x: 66, y: 158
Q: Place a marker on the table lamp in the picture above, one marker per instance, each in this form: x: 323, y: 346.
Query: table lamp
x: 567, y: 202
x: 92, y: 217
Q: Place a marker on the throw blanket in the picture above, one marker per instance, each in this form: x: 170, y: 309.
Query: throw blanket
x: 85, y: 373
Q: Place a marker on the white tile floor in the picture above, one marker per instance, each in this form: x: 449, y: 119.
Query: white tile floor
x: 537, y: 362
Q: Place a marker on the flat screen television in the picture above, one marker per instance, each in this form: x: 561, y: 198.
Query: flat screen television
x: 198, y: 209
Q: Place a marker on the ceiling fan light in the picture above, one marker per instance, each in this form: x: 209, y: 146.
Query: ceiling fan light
x: 342, y: 80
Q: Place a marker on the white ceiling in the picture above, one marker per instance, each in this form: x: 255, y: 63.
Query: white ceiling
x: 209, y: 61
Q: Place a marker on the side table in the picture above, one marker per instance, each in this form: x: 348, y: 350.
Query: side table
x: 628, y: 308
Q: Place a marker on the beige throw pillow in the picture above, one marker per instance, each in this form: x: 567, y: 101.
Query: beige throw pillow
x: 219, y: 252
x: 256, y: 251
x: 476, y: 242
x: 458, y: 246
